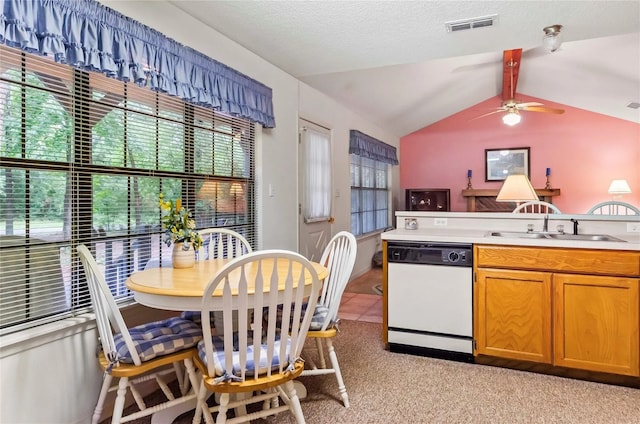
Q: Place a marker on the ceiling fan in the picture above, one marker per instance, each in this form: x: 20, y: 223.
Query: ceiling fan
x: 510, y: 69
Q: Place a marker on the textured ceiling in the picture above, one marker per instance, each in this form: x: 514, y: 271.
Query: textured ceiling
x: 395, y: 63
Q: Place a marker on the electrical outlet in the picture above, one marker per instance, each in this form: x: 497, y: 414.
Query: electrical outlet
x: 440, y: 222
x: 633, y: 227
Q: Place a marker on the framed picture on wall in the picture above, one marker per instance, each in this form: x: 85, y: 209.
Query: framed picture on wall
x: 502, y: 162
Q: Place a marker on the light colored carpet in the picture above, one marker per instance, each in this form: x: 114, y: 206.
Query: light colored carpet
x: 387, y: 387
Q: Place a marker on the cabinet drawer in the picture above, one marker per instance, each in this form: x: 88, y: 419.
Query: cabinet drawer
x: 597, y: 262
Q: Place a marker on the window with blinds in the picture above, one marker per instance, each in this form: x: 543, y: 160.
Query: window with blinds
x: 369, y: 195
x: 83, y: 159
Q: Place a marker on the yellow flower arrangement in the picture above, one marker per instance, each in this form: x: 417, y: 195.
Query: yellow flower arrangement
x: 178, y: 225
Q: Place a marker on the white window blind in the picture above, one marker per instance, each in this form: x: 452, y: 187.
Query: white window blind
x: 369, y: 195
x: 83, y: 159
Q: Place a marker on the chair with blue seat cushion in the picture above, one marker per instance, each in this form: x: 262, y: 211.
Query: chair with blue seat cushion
x: 153, y: 351
x: 218, y: 243
x: 339, y: 258
x: 256, y: 360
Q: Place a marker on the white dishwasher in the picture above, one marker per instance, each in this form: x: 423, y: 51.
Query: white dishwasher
x: 430, y: 299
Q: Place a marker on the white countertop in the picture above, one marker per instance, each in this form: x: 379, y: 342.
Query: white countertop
x: 474, y: 228
x: 474, y: 236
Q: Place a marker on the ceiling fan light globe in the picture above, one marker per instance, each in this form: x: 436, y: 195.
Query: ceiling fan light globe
x: 511, y: 118
x: 552, y: 38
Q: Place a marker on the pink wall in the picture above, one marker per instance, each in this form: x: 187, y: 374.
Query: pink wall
x: 584, y: 150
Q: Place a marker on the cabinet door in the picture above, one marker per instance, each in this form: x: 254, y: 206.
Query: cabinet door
x: 596, y: 323
x: 513, y: 314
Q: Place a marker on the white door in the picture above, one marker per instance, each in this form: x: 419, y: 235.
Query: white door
x: 315, y: 188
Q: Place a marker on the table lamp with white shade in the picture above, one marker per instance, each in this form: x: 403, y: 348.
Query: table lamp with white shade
x: 618, y: 188
x: 516, y: 188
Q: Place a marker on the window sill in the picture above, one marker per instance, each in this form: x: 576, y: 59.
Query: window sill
x: 31, y: 338
x: 15, y: 343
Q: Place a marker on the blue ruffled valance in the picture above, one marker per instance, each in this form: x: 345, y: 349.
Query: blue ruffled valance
x: 372, y: 148
x: 90, y: 36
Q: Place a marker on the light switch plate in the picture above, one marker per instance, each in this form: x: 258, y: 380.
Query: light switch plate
x: 633, y: 227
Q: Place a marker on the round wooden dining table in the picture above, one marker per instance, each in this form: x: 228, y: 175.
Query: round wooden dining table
x: 177, y: 289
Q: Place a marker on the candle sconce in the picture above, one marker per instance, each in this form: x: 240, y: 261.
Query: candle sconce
x: 547, y: 174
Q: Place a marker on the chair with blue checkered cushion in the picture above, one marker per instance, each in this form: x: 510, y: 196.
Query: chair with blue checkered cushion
x: 153, y: 351
x: 338, y: 257
x: 256, y: 361
x: 218, y: 243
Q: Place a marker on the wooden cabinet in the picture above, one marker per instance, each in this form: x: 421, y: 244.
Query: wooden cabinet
x: 513, y: 314
x: 596, y: 323
x: 540, y: 305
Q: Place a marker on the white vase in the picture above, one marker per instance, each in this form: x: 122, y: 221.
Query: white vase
x: 183, y: 258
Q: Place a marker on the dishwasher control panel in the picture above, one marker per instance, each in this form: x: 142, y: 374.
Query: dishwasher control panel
x: 431, y: 253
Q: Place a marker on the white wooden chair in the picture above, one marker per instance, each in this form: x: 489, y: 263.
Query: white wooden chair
x: 228, y: 360
x: 614, y: 207
x: 338, y: 257
x: 218, y: 243
x: 223, y: 243
x: 139, y: 354
x: 536, y: 206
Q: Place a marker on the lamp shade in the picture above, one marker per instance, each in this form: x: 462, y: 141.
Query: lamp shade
x: 619, y: 187
x: 208, y: 190
x: 516, y: 188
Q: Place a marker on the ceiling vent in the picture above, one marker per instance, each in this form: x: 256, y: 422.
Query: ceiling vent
x: 471, y: 23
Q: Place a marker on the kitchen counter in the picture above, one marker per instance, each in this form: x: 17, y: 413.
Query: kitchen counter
x: 632, y: 241
x: 465, y: 227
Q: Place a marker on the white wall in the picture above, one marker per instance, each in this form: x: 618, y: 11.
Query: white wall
x: 58, y: 373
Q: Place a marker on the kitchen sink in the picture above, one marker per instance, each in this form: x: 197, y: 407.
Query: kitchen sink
x: 585, y: 237
x: 513, y: 234
x: 555, y: 236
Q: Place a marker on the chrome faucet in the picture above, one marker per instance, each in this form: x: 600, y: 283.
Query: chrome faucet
x: 545, y: 224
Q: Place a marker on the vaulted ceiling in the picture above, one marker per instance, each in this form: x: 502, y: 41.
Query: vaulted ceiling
x: 395, y: 63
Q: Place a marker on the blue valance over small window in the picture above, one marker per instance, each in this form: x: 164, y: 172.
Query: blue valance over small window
x: 90, y: 36
x: 372, y: 148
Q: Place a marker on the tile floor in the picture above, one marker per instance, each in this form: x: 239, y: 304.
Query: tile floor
x: 361, y: 307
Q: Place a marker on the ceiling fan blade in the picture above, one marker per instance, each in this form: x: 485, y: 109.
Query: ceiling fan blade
x: 527, y: 104
x: 542, y: 109
x: 498, y: 110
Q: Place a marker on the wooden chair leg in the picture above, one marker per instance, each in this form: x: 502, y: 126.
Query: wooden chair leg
x: 323, y: 362
x: 296, y: 408
x: 336, y: 368
x: 97, y: 412
x: 118, y: 406
x: 201, y: 405
x: 223, y: 408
